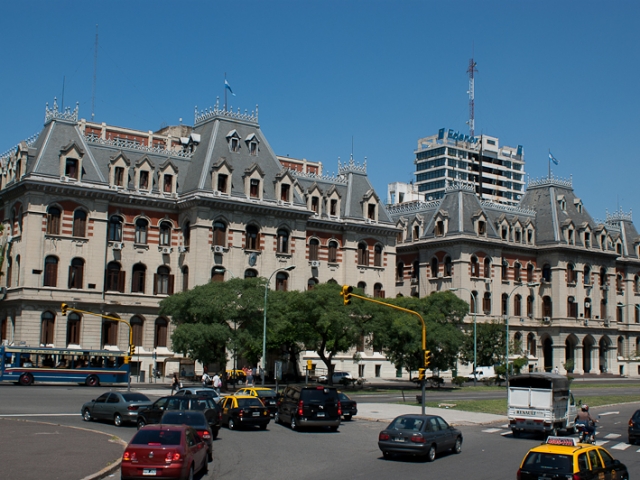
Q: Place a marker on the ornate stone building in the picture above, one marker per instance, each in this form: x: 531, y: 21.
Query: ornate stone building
x: 567, y: 285
x: 111, y: 220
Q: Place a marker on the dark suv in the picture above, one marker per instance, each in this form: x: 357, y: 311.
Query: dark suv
x: 153, y: 413
x: 309, y: 406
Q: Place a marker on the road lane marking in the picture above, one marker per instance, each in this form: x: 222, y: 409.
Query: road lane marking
x: 620, y: 446
x: 506, y: 433
x: 40, y: 415
x: 601, y: 442
x: 492, y: 430
x: 612, y: 435
x: 609, y: 413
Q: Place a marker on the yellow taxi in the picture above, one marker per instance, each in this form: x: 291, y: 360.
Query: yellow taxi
x: 239, y: 375
x: 244, y: 410
x: 564, y: 457
x: 267, y: 396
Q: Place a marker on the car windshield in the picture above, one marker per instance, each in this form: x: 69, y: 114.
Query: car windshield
x: 407, y: 423
x: 249, y: 402
x: 344, y: 397
x: 208, y: 393
x: 549, y: 462
x: 266, y: 393
x: 135, y: 397
x: 156, y: 437
x: 187, y: 418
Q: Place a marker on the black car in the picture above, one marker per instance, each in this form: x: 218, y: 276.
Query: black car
x: 349, y: 407
x: 244, y: 410
x: 196, y: 420
x: 207, y: 405
x: 310, y: 406
x: 419, y: 435
x: 634, y: 427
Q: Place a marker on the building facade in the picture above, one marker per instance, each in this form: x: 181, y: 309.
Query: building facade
x: 567, y: 286
x: 495, y: 171
x: 111, y: 220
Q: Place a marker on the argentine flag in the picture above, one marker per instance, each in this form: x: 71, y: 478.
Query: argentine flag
x: 552, y: 158
x: 228, y: 87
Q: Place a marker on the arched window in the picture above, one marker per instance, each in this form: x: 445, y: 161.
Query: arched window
x: 571, y: 274
x: 73, y: 329
x: 400, y: 272
x: 250, y: 273
x: 311, y: 283
x: 377, y: 255
x: 475, y: 267
x: 531, y: 345
x: 529, y: 273
x: 79, y: 223
x: 487, y: 268
x: 217, y: 274
x: 142, y: 228
x: 109, y: 332
x: 517, y: 306
x: 138, y: 275
x: 53, y: 221
x: 282, y: 281
x: 636, y: 284
x: 186, y: 234
x: 160, y: 333
x: 333, y: 251
x: 486, y: 303
x: 50, y: 271
x: 505, y: 304
x: 472, y: 301
x: 252, y: 238
x: 137, y: 325
x: 587, y: 308
x: 165, y: 234
x: 76, y: 273
x: 572, y: 307
x: 547, y: 306
x: 619, y: 283
x: 9, y: 271
x: 587, y: 275
x: 363, y: 254
x: 603, y: 308
x: 517, y: 268
x: 505, y: 271
x: 47, y: 328
x: 530, y: 306
x: 185, y: 278
x: 546, y: 273
x: 314, y: 246
x: 603, y: 277
x: 163, y: 282
x: 283, y: 241
x: 378, y: 292
x: 114, y: 278
x: 220, y: 233
x: 435, y: 267
x: 415, y: 272
x: 621, y: 346
x: 115, y: 229
x: 362, y: 286
x: 448, y: 267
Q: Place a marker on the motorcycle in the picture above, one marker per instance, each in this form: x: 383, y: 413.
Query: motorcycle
x: 583, y: 436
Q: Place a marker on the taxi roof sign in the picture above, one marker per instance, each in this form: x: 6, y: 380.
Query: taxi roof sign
x: 563, y: 441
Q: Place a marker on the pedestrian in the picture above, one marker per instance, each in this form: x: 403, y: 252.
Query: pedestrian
x: 205, y: 379
x: 250, y: 377
x: 555, y: 370
x: 175, y: 385
x: 217, y: 383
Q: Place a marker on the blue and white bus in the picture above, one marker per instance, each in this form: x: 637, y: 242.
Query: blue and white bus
x: 25, y: 365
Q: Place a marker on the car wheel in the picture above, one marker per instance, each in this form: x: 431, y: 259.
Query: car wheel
x: 86, y: 415
x: 117, y: 420
x: 431, y: 454
x: 347, y: 417
x: 333, y: 429
x: 276, y: 418
x: 263, y: 427
x: 141, y: 423
x: 92, y: 381
x: 190, y: 477
x: 231, y: 424
x: 294, y: 423
x: 26, y: 379
x: 457, y: 448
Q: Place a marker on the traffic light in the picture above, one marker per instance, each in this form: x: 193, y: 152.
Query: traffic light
x: 64, y: 307
x: 309, y: 365
x: 427, y: 358
x: 422, y: 373
x: 346, y: 294
x: 132, y: 350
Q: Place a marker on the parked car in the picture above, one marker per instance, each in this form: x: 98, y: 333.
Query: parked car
x: 154, y: 412
x: 349, y: 407
x: 201, y: 392
x: 634, y: 427
x: 267, y: 396
x: 310, y: 406
x: 482, y: 373
x: 166, y: 451
x: 337, y: 378
x: 419, y: 435
x: 244, y: 410
x: 196, y: 420
x: 115, y: 406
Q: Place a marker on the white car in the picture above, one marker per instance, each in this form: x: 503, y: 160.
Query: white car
x: 337, y: 377
x: 199, y: 391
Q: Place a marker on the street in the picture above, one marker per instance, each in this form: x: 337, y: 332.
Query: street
x: 489, y: 451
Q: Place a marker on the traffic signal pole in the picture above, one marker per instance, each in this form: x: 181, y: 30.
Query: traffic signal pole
x: 66, y: 308
x: 347, y: 293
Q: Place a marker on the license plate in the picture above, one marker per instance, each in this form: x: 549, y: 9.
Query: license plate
x: 320, y: 414
x: 256, y: 414
x: 399, y: 439
x: 272, y: 402
x: 149, y: 471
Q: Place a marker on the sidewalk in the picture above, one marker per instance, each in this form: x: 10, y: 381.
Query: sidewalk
x: 385, y: 412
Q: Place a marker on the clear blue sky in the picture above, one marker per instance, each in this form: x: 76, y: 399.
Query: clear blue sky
x: 559, y: 75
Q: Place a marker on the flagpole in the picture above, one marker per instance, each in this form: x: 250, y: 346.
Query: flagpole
x: 225, y: 91
x: 548, y: 159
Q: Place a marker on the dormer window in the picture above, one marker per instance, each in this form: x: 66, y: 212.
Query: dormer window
x: 505, y: 232
x: 570, y: 237
x: 562, y: 203
x: 371, y: 211
x: 529, y: 236
x: 144, y: 180
x: 482, y: 227
x: 439, y: 230
x: 118, y: 176
x: 254, y: 188
x: 333, y: 208
x: 285, y: 192
x: 253, y: 148
x: 167, y: 184
x: 587, y: 239
x: 234, y: 144
x: 222, y: 183
x: 517, y: 236
x: 315, y: 205
x: 416, y: 233
x: 71, y: 168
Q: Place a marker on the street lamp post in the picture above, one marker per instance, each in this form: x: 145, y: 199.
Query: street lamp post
x: 475, y: 338
x: 264, y: 327
x: 506, y: 321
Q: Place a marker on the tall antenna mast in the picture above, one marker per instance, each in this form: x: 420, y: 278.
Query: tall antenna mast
x: 472, y: 115
x: 95, y: 76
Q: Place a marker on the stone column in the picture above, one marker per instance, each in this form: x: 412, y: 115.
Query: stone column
x: 577, y: 360
x: 559, y: 353
x: 595, y: 359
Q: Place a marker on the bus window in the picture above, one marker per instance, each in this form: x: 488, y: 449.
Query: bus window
x: 26, y: 360
x: 48, y: 361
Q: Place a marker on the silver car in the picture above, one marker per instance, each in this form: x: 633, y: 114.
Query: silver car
x: 201, y: 392
x: 116, y: 407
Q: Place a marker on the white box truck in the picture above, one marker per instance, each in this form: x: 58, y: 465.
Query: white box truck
x: 540, y: 403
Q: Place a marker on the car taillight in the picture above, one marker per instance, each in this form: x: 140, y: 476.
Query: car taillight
x: 241, y: 413
x: 631, y: 422
x: 133, y: 408
x: 204, y: 434
x: 383, y: 436
x: 300, y: 407
x: 518, y: 474
x: 576, y: 476
x: 128, y: 456
x: 417, y: 438
x: 355, y: 404
x: 173, y: 457
x: 339, y: 408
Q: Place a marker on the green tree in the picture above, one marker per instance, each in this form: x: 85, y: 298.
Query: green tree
x: 491, y: 346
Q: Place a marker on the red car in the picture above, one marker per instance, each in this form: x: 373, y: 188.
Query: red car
x: 165, y: 451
